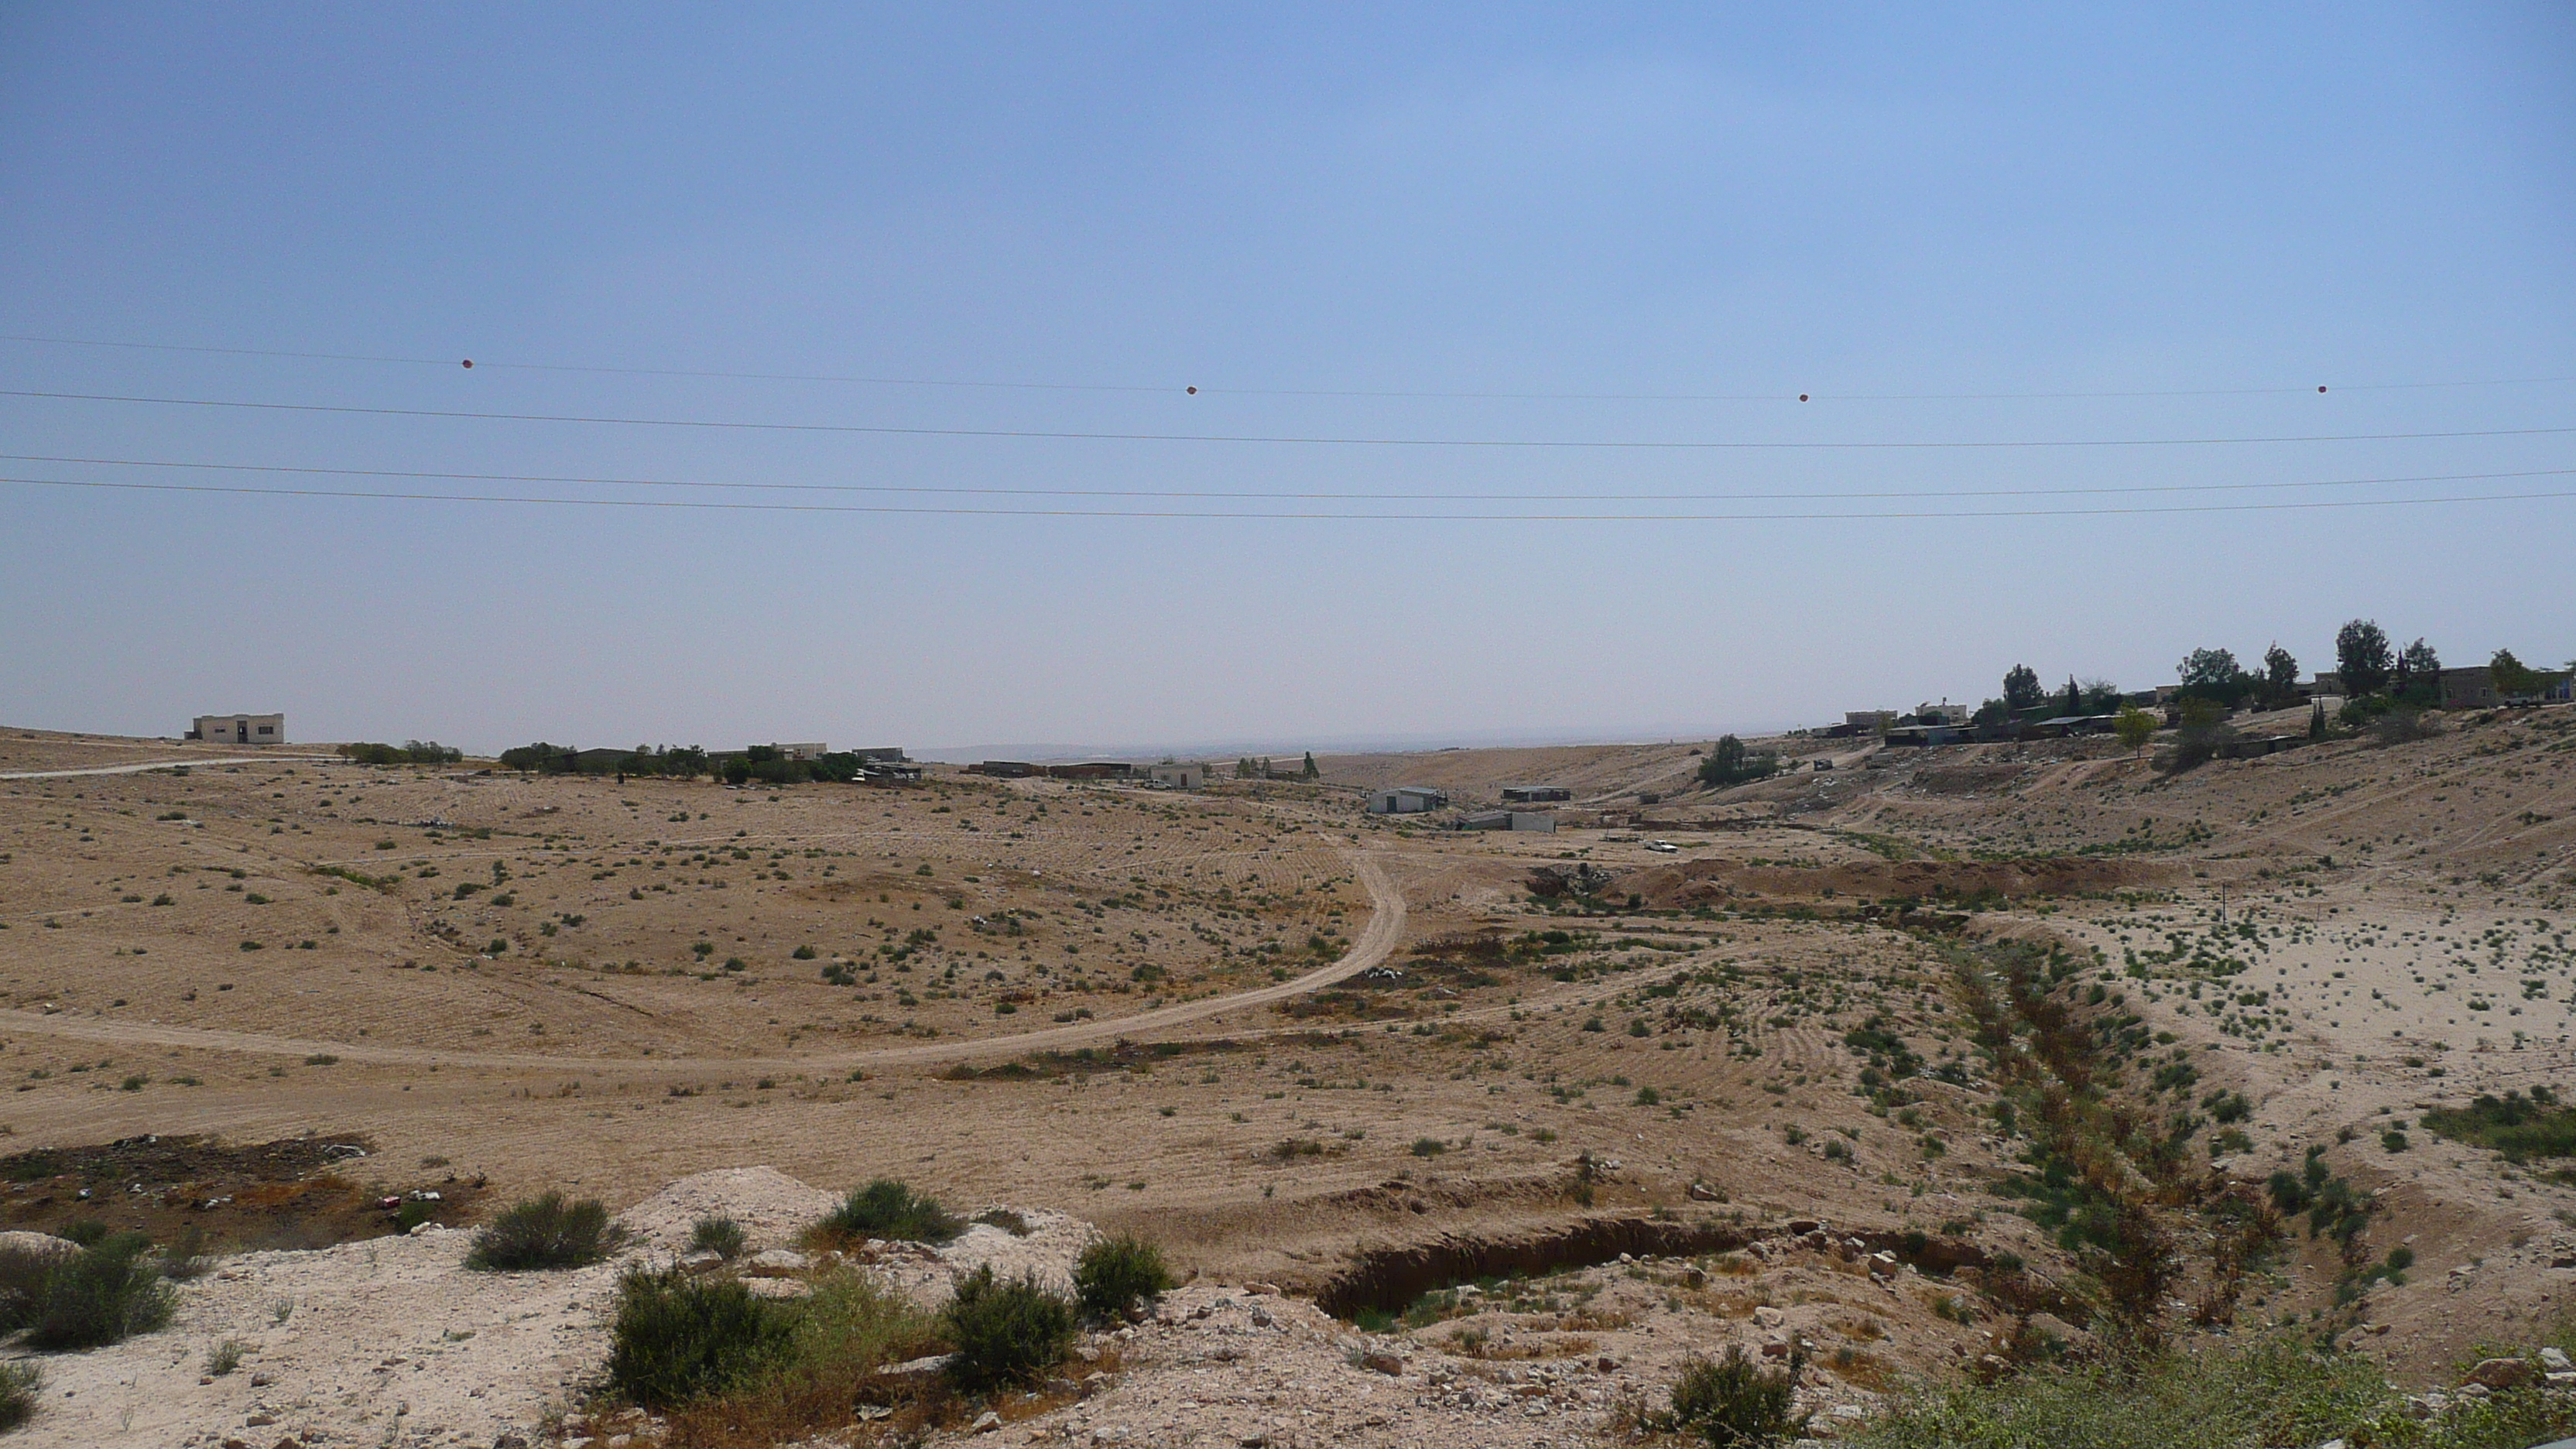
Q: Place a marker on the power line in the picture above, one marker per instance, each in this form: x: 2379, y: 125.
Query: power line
x: 1062, y: 435
x: 701, y: 504
x: 1312, y: 496
x: 1784, y: 395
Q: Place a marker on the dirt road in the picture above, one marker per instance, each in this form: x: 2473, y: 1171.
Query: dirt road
x: 188, y: 762
x: 1376, y: 941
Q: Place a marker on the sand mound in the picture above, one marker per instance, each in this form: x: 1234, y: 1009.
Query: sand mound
x: 771, y: 1207
x: 37, y: 1245
x: 1046, y: 1250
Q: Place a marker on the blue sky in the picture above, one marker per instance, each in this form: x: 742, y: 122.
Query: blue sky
x: 1663, y: 222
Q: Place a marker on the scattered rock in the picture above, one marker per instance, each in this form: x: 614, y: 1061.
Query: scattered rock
x: 986, y: 1423
x: 2500, y: 1373
x: 918, y: 1368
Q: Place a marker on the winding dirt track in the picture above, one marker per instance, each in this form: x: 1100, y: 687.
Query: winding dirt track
x: 1377, y: 940
x: 148, y: 766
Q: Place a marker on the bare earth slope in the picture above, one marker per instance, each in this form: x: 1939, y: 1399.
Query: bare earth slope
x: 1360, y: 1059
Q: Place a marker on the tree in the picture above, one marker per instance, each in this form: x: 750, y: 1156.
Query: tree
x: 2021, y: 688
x: 2101, y: 696
x: 2208, y: 667
x: 2214, y: 675
x: 2134, y: 727
x: 2362, y: 657
x: 2072, y: 702
x: 1311, y: 772
x: 2280, y: 674
x: 541, y: 757
x: 2512, y: 676
x: 2419, y: 673
x: 1729, y: 764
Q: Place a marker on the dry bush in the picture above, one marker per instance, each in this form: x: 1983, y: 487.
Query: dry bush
x: 850, y: 1326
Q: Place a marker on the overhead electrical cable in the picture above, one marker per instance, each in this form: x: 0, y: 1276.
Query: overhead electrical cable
x: 1317, y: 440
x: 1783, y: 395
x: 1373, y: 496
x: 873, y: 508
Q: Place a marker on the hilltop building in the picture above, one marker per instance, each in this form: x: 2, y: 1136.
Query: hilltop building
x: 240, y: 729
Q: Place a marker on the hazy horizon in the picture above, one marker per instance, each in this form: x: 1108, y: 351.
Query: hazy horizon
x: 1498, y: 321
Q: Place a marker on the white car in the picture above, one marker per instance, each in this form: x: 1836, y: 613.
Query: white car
x: 1663, y: 847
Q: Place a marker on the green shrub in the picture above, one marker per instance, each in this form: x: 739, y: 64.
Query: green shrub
x: 887, y: 1208
x: 100, y: 1296
x: 1733, y: 1401
x: 185, y: 1259
x: 2225, y: 1397
x: 22, y: 1281
x: 545, y: 1232
x: 1116, y: 1274
x: 2520, y: 1127
x: 18, y: 1385
x: 677, y: 1338
x: 721, y: 1236
x: 1005, y: 1331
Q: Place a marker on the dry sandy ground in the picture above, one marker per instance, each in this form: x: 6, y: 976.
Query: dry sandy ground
x: 1269, y: 1138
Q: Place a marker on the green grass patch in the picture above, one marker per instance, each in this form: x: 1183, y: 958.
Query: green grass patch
x: 2520, y: 1127
x: 2260, y: 1395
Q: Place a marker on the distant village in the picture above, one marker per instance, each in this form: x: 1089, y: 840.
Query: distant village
x: 2376, y: 682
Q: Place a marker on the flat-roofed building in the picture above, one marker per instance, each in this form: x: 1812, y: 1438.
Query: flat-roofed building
x: 240, y: 729
x: 1405, y: 800
x: 1535, y: 794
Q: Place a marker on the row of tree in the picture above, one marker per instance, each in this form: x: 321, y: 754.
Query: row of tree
x: 409, y: 752
x: 764, y: 763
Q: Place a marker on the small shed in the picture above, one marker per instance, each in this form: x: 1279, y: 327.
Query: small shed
x: 1405, y: 800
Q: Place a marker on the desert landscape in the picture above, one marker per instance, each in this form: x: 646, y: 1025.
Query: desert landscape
x: 1896, y: 1071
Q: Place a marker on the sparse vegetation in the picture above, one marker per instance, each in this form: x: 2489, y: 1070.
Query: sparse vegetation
x: 107, y: 1292
x: 1735, y: 1403
x: 19, y: 1383
x: 2276, y: 1391
x: 545, y: 1233
x: 2522, y: 1128
x: 721, y: 1236
x: 1005, y: 1331
x: 678, y: 1338
x: 1117, y: 1274
x: 890, y: 1209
